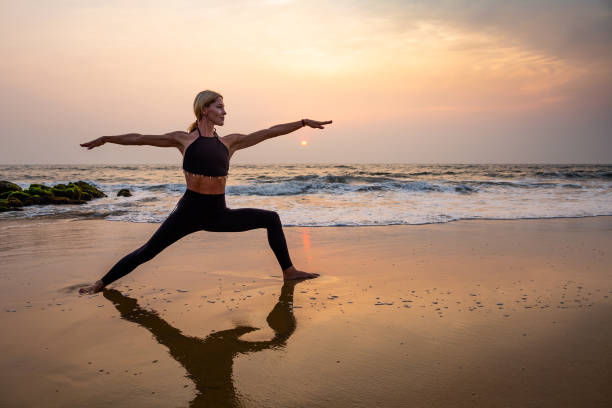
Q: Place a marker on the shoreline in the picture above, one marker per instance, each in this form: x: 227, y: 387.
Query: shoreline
x: 345, y: 195
x: 60, y: 218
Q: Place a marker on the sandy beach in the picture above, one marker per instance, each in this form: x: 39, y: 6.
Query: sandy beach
x: 464, y: 314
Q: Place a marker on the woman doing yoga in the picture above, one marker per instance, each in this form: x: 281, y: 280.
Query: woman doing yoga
x: 206, y: 159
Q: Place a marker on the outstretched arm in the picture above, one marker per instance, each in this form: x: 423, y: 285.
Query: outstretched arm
x: 238, y: 141
x: 166, y: 140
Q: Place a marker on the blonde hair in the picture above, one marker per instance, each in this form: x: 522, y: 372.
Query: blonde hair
x: 202, y: 100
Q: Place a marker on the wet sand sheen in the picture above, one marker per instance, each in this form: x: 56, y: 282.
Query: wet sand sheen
x: 478, y: 313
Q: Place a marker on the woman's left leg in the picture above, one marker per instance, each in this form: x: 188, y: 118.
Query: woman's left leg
x: 244, y: 219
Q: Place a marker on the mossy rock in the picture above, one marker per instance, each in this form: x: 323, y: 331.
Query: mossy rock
x: 36, y: 199
x: 124, y: 192
x: 35, y: 190
x: 76, y: 190
x: 8, y: 186
x: 72, y: 192
x: 14, y: 202
x: 58, y: 192
x: 65, y: 200
x: 22, y: 196
x: 59, y: 200
x: 41, y: 186
x: 10, y: 204
x: 89, y: 188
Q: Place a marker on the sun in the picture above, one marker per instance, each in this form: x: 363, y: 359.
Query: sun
x: 304, y: 143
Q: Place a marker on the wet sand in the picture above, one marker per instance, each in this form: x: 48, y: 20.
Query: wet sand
x: 471, y: 313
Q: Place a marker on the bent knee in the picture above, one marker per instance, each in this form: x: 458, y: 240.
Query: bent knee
x: 275, y: 217
x: 272, y: 218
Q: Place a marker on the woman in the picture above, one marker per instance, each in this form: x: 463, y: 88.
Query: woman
x: 205, y: 164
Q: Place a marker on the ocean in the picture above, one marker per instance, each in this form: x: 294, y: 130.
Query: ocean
x: 338, y: 194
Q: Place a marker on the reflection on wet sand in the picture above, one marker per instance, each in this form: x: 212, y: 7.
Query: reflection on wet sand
x: 209, y: 361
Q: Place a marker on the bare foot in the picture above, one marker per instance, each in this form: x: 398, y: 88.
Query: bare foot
x: 90, y: 290
x: 291, y: 274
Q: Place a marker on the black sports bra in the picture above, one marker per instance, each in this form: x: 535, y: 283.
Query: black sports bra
x: 206, y: 156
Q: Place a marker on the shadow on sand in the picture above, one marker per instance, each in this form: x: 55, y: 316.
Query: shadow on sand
x: 209, y: 361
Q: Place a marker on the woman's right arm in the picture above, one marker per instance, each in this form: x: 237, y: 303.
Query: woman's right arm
x: 170, y: 139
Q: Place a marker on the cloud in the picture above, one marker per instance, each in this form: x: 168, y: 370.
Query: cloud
x: 565, y: 28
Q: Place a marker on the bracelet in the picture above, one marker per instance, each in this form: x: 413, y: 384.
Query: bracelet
x: 303, y: 124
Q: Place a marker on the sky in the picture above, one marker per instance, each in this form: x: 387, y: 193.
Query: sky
x: 460, y: 81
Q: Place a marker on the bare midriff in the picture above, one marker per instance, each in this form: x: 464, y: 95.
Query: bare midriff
x: 205, y: 184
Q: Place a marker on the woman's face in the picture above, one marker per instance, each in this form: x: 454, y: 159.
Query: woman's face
x: 215, y: 112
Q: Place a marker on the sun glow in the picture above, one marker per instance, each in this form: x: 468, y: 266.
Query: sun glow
x: 304, y: 143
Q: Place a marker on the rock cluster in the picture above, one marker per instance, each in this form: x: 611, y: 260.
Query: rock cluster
x: 13, y: 197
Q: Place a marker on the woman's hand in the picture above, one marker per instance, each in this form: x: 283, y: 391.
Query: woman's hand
x: 316, y: 124
x: 94, y: 143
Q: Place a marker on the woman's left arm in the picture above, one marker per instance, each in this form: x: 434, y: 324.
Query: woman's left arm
x: 238, y: 141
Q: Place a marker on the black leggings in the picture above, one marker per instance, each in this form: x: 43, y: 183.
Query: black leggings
x: 196, y: 212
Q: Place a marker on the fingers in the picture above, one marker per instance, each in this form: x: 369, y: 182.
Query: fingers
x: 89, y: 145
x: 93, y: 143
x: 319, y: 124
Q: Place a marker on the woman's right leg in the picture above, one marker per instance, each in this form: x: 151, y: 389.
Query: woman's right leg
x: 181, y: 222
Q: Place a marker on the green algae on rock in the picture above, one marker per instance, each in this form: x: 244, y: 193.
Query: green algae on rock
x: 13, y: 197
x: 7, y: 187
